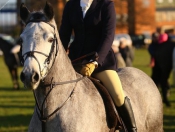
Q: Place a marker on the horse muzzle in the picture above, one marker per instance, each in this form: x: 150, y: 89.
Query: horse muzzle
x: 30, y: 79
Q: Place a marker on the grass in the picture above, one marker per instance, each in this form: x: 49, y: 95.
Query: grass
x: 16, y: 107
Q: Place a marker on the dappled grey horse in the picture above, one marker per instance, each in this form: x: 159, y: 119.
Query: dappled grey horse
x: 67, y: 101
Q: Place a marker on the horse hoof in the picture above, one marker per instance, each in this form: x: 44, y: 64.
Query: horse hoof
x: 168, y: 93
x: 16, y: 87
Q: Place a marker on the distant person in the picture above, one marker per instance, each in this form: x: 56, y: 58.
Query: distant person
x: 163, y: 66
x: 158, y: 37
x: 151, y: 48
x: 173, y: 69
x: 126, y: 52
x: 119, y: 58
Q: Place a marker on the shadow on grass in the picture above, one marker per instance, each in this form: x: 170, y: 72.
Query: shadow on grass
x: 169, y: 122
x: 12, y: 120
x: 10, y: 98
x: 12, y: 89
x: 19, y: 122
x: 16, y: 107
x: 18, y: 94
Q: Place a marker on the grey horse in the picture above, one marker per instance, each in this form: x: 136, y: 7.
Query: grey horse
x: 67, y: 101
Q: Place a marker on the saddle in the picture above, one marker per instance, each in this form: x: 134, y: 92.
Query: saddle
x: 113, y: 119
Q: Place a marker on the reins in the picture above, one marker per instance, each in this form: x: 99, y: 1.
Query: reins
x: 84, y: 56
x: 93, y: 55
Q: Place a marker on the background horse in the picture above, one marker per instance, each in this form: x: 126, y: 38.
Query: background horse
x: 6, y: 45
x: 66, y: 101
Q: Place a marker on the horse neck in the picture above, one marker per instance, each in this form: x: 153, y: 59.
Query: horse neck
x: 62, y: 69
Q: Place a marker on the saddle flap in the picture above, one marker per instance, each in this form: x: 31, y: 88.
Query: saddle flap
x: 113, y: 119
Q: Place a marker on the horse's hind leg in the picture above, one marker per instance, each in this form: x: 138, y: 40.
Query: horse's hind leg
x: 14, y: 76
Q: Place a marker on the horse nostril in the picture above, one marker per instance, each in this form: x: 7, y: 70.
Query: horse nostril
x: 35, y: 77
x: 22, y: 77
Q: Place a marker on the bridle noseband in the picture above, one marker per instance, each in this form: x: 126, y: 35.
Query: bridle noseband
x: 49, y: 57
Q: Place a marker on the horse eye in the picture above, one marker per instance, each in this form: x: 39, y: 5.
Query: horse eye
x: 50, y: 40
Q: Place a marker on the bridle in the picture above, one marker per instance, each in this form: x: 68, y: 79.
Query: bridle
x: 40, y: 111
x: 48, y: 57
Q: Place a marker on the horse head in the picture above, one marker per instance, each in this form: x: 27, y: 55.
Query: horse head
x: 39, y: 44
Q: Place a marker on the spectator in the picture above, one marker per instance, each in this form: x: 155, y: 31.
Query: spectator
x: 163, y: 65
x: 173, y: 69
x: 119, y: 58
x: 126, y: 52
x: 151, y: 48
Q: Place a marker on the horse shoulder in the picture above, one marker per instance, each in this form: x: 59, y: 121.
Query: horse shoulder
x: 87, y: 109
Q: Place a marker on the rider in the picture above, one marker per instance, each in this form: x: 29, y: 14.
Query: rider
x: 93, y: 24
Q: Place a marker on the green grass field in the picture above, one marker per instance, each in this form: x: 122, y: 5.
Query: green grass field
x: 16, y: 107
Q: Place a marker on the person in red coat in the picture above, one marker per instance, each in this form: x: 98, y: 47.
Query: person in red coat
x: 93, y: 24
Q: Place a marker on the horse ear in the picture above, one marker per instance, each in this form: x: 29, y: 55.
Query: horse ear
x: 48, y: 10
x: 24, y: 12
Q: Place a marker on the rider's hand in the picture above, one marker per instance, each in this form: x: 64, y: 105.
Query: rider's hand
x: 88, y: 69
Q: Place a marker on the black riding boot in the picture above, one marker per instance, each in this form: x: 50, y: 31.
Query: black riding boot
x: 126, y: 113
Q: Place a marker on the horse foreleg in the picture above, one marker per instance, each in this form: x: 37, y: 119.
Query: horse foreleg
x: 14, y: 76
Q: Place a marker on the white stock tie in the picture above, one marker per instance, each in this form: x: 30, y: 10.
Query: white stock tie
x: 85, y: 4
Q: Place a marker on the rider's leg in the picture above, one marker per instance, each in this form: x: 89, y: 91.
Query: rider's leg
x: 111, y: 81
